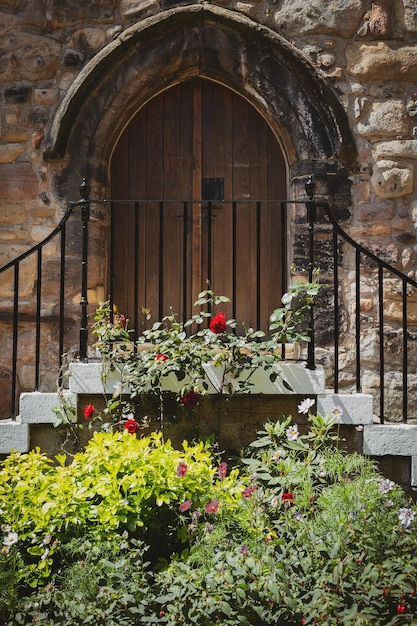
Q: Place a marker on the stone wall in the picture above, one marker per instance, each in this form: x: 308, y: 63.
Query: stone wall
x: 364, y: 52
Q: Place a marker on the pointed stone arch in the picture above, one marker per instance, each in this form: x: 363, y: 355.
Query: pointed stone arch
x: 213, y: 43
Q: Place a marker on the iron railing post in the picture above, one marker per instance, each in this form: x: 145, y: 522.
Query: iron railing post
x: 311, y: 218
x: 85, y: 217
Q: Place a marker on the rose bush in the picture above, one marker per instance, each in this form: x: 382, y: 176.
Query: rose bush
x: 179, y: 352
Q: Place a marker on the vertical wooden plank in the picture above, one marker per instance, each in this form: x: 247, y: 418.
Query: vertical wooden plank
x: 276, y: 189
x: 246, y: 216
x: 186, y: 191
x: 119, y: 190
x: 217, y: 122
x: 172, y: 275
x: 197, y: 213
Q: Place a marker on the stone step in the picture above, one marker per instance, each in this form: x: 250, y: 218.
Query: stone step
x: 397, y: 440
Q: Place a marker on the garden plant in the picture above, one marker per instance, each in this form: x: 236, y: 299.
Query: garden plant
x: 133, y: 531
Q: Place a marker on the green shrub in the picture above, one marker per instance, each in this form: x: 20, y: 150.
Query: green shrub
x: 300, y: 533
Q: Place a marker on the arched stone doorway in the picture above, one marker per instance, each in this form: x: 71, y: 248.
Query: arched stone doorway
x: 215, y: 44
x: 200, y: 143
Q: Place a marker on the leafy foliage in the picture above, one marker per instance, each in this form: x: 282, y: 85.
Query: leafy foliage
x: 133, y: 532
x: 174, y: 355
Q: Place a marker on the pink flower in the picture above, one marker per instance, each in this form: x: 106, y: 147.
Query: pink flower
x: 212, y: 506
x: 131, y: 426
x: 181, y: 469
x: 246, y: 493
x: 88, y: 411
x: 218, y: 324
x: 222, y: 470
x: 184, y: 506
x: 190, y: 399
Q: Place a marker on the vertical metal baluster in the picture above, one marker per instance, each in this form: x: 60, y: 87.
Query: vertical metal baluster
x: 234, y: 270
x: 358, y: 319
x: 258, y: 265
x: 311, y: 217
x: 14, y: 341
x: 136, y: 276
x: 61, y: 302
x: 405, y: 354
x: 336, y: 311
x: 381, y: 344
x: 85, y: 217
x: 161, y: 261
x: 111, y: 260
x: 185, y: 263
x: 209, y: 241
x: 284, y: 265
x: 38, y: 317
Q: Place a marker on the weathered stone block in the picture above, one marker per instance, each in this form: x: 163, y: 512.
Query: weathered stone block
x: 64, y: 13
x: 14, y: 436
x: 338, y: 18
x: 372, y: 61
x: 392, y: 439
x: 391, y: 179
x: 384, y: 119
x: 18, y: 181
x: 347, y: 408
x: 10, y: 152
x: 404, y: 149
x: 38, y: 57
x: 38, y: 408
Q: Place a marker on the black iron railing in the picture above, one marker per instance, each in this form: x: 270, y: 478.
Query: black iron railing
x: 352, y: 265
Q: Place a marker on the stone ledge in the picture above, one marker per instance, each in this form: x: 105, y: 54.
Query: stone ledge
x: 86, y: 379
x: 14, y: 436
x: 355, y: 408
x: 392, y: 440
x: 37, y: 407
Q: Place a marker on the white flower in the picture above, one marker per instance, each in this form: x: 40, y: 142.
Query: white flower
x: 45, y: 555
x: 337, y: 411
x: 305, y: 405
x: 292, y: 432
x: 385, y: 485
x: 406, y: 516
x: 6, y: 528
x: 10, y: 539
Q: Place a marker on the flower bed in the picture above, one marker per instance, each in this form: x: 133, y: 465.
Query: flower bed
x: 134, y: 531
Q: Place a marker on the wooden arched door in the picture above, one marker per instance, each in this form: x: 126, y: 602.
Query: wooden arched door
x: 204, y: 169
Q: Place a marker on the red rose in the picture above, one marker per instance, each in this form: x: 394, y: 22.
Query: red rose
x: 88, y: 411
x: 218, y: 324
x: 131, y: 426
x: 190, y: 399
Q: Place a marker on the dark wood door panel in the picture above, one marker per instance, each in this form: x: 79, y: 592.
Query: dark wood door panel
x: 195, y: 130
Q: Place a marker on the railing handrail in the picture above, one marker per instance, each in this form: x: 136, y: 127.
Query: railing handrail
x: 47, y: 239
x: 312, y: 205
x: 362, y: 249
